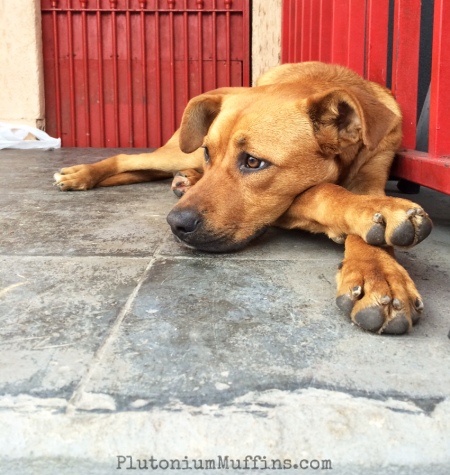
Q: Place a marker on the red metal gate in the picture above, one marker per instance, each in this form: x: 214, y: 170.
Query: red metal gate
x: 354, y: 33
x: 119, y: 73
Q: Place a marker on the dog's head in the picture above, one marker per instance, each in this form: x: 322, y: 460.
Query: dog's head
x: 263, y: 146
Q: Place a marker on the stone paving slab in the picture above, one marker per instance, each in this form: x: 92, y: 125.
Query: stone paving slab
x: 55, y: 313
x: 203, y: 331
x: 81, y: 225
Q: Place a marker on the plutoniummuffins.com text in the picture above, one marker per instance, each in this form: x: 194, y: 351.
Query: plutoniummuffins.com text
x: 250, y: 462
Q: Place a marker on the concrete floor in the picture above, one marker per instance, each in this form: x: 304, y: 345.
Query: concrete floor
x: 116, y: 340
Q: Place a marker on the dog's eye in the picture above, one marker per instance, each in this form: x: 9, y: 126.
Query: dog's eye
x: 254, y: 163
x: 207, y: 157
x: 248, y: 164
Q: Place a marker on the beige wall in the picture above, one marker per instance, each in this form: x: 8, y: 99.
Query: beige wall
x: 21, y: 64
x: 266, y: 36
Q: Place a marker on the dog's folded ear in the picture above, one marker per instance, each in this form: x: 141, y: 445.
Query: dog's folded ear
x: 342, y: 117
x: 198, y: 117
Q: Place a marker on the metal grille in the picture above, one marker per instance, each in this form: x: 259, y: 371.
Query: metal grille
x: 119, y: 73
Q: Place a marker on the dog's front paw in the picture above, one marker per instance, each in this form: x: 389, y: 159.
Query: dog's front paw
x: 378, y: 294
x: 184, y: 180
x: 393, y: 221
x: 78, y: 177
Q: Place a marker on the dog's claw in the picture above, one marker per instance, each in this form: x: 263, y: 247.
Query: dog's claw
x: 378, y: 218
x: 356, y: 291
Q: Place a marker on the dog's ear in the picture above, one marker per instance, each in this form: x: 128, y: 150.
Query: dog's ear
x: 342, y: 117
x: 198, y: 117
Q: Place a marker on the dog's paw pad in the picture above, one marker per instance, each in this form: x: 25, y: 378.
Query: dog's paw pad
x: 178, y: 193
x: 375, y: 236
x: 345, y: 303
x: 397, y: 326
x: 403, y: 235
x: 424, y: 230
x: 370, y: 318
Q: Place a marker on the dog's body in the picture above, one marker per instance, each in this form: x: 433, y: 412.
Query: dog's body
x: 310, y: 147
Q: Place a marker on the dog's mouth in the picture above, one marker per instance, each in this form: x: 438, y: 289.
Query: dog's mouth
x: 219, y: 243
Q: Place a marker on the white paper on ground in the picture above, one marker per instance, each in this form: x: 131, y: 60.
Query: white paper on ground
x: 12, y: 136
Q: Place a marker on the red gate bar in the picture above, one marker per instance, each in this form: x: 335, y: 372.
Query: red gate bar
x: 405, y: 65
x: 118, y: 73
x: 377, y: 41
x: 439, y: 137
x: 86, y: 73
x: 57, y: 74
x: 100, y: 79
x: 359, y: 35
x: 144, y: 72
x: 71, y: 77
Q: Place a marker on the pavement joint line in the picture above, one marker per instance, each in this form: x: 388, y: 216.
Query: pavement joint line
x: 169, y: 257
x: 112, y: 335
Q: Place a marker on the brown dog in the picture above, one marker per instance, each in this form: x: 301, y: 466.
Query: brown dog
x: 310, y: 147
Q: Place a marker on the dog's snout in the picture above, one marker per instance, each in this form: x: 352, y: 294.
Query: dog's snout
x: 184, y: 221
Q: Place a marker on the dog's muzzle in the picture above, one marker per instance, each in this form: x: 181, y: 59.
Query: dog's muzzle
x: 190, y: 228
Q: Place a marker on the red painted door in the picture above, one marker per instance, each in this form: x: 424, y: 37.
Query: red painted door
x: 119, y: 73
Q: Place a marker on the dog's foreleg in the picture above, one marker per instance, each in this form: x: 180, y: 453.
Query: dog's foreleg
x: 378, y: 220
x: 168, y: 159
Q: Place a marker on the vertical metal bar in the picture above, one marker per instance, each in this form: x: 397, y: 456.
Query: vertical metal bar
x: 158, y: 78
x: 292, y: 30
x: 172, y: 67
x: 285, y: 43
x: 306, y: 33
x: 439, y: 138
x: 214, y: 45
x: 129, y: 77
x: 326, y: 30
x: 200, y: 46
x: 356, y: 35
x: 56, y: 59
x: 297, y: 46
x: 314, y: 21
x: 377, y: 40
x: 340, y: 32
x: 246, y: 44
x: 228, y: 40
x: 406, y: 64
x: 71, y: 76
x: 100, y: 76
x: 142, y: 4
x: 87, y: 114
x: 186, y: 54
x: 320, y: 29
x: 115, y: 72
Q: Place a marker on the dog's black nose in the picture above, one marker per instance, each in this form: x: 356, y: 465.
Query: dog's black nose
x: 184, y: 221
